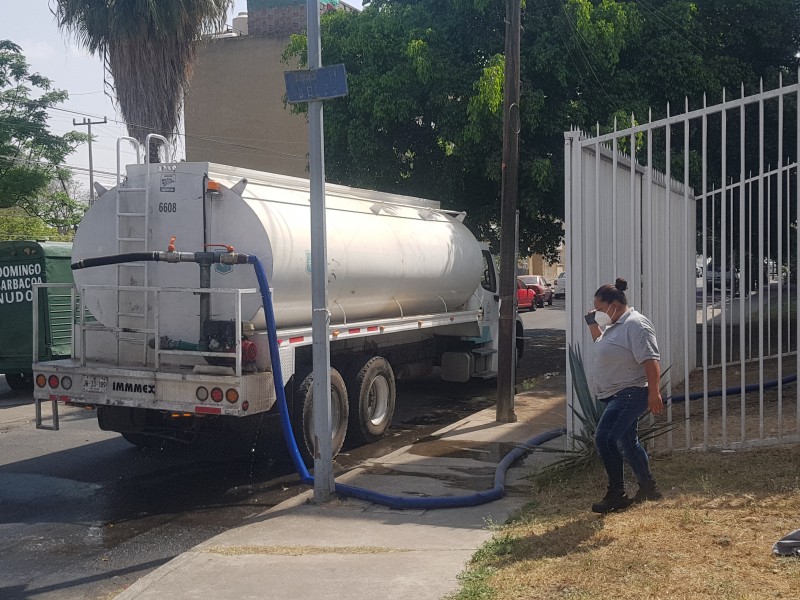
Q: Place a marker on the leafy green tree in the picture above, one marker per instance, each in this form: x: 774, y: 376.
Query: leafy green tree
x: 30, y: 154
x: 61, y: 206
x: 16, y: 225
x: 424, y: 110
x: 149, y: 49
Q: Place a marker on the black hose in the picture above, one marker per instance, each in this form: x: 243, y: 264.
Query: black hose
x: 100, y: 261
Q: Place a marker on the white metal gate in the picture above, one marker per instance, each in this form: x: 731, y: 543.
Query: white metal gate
x: 704, y: 229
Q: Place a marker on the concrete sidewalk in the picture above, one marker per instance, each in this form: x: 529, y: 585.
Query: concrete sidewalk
x: 351, y: 549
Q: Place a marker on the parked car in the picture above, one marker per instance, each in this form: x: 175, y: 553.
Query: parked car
x: 544, y: 291
x: 560, y: 285
x: 526, y: 297
x: 714, y: 280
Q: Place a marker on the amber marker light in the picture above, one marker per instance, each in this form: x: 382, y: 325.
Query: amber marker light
x: 41, y: 380
x: 232, y: 396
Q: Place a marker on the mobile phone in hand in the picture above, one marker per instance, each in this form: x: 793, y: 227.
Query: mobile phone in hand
x: 590, y: 319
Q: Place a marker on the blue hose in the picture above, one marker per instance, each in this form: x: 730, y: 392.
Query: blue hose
x: 753, y: 387
x: 474, y: 499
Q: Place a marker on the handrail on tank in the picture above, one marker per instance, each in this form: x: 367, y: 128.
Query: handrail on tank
x: 77, y: 303
x: 136, y: 145
x: 149, y: 140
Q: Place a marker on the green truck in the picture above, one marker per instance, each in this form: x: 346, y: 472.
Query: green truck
x: 22, y: 264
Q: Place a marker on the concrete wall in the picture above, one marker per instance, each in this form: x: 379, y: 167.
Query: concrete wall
x: 234, y: 111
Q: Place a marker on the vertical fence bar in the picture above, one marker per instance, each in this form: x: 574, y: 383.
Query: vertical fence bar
x: 572, y: 214
x: 614, y: 167
x: 780, y: 259
x: 668, y: 196
x: 723, y: 259
x: 635, y: 289
x: 788, y: 221
x: 650, y: 241
x: 768, y: 200
x: 747, y: 271
x: 714, y: 265
x: 690, y: 326
x: 597, y: 202
x: 705, y: 261
x: 797, y: 255
x: 758, y: 266
x: 761, y: 262
x: 734, y: 275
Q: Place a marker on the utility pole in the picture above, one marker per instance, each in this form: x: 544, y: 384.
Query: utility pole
x: 89, y: 123
x: 506, y: 355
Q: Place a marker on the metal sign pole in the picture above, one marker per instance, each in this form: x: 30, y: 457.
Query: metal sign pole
x: 323, y: 461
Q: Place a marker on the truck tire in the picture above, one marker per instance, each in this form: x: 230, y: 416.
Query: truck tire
x: 372, y: 392
x: 303, y: 417
x: 20, y: 381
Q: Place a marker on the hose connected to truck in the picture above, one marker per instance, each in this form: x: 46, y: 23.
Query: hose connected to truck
x: 231, y: 258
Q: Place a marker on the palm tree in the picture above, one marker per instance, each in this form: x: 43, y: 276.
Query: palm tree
x: 149, y: 48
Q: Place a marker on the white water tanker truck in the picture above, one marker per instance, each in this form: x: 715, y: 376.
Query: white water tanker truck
x: 175, y: 350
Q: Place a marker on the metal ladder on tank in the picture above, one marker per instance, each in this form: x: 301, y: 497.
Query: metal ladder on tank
x: 142, y: 267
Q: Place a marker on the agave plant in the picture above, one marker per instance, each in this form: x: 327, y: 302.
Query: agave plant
x: 588, y: 412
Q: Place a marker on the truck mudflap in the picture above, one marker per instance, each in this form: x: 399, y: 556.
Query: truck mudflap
x: 186, y: 392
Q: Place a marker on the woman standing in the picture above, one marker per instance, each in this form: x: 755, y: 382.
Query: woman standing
x: 626, y: 377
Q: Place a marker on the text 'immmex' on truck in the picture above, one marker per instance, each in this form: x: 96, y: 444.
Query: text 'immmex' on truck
x: 176, y: 351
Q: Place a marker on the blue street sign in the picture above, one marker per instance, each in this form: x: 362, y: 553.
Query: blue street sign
x: 316, y: 84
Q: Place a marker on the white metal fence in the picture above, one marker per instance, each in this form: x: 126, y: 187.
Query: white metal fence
x: 704, y: 229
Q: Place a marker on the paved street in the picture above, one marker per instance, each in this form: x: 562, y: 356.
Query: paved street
x: 84, y: 513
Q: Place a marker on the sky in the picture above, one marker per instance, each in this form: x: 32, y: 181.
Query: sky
x: 30, y: 25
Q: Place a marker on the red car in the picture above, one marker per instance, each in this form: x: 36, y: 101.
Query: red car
x: 526, y: 297
x: 544, y: 292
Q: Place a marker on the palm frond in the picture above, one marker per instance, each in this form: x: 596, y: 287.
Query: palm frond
x: 150, y: 49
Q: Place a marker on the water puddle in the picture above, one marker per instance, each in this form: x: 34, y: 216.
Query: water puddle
x: 435, y: 447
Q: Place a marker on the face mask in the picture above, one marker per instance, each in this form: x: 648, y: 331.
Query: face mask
x: 602, y: 319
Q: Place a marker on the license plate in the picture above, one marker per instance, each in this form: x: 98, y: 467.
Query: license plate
x: 95, y: 384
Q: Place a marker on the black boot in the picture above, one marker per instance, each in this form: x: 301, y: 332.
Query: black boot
x: 615, y: 499
x: 648, y: 491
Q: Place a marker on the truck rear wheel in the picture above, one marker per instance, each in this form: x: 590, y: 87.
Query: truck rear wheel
x: 19, y: 381
x: 303, y: 418
x: 372, y: 391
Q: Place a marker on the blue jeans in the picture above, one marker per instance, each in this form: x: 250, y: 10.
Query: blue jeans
x: 616, y: 436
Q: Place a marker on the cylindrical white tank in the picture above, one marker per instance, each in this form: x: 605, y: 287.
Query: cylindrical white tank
x: 388, y: 256
x: 239, y: 24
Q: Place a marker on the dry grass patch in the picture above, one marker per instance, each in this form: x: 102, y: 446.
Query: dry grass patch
x: 710, y: 538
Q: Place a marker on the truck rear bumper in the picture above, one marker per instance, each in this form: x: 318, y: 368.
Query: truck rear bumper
x: 178, y: 390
